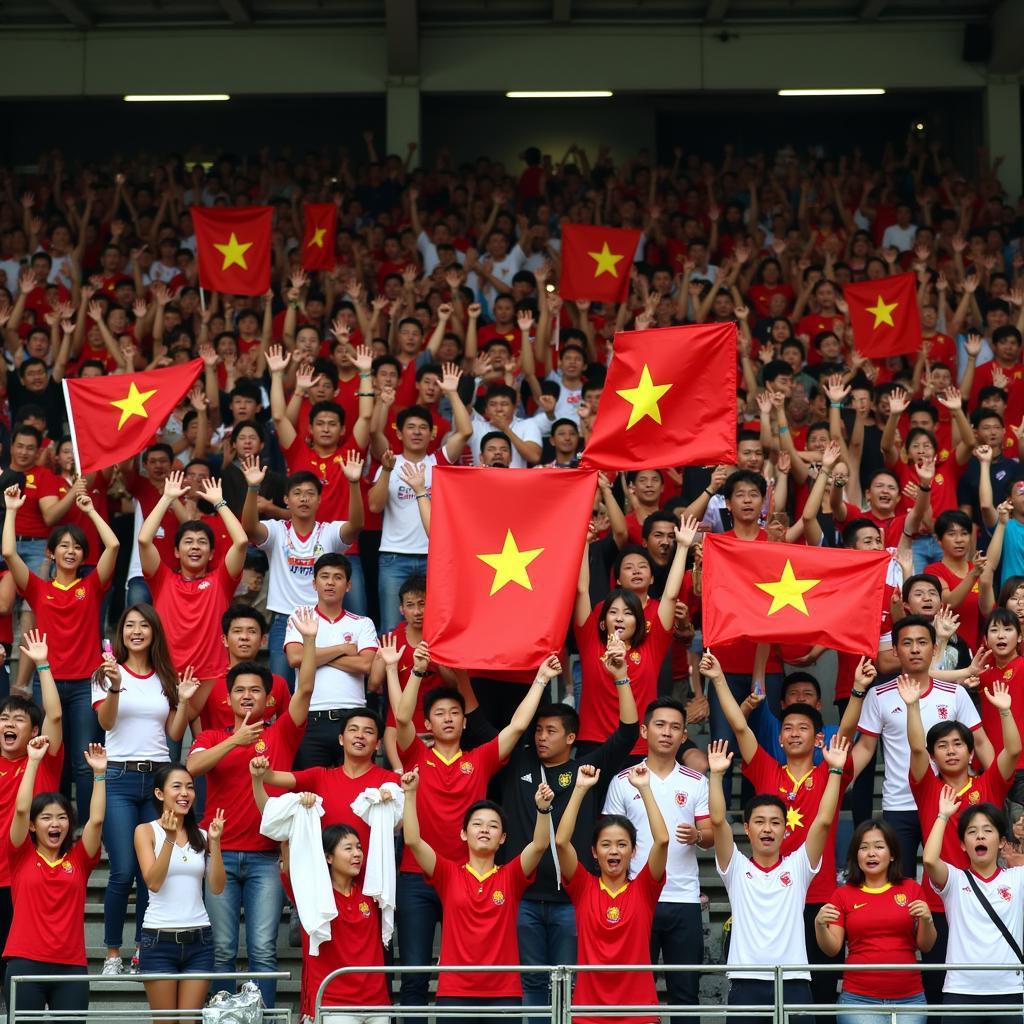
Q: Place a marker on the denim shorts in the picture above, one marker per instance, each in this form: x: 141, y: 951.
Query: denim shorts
x: 165, y: 956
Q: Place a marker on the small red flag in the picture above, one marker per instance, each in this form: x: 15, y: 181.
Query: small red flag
x: 318, y: 236
x: 765, y: 592
x: 113, y: 418
x: 884, y: 316
x: 596, y: 262
x: 669, y: 399
x: 233, y: 248
x: 505, y: 550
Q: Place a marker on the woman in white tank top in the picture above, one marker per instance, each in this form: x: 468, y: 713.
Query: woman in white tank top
x: 176, y: 857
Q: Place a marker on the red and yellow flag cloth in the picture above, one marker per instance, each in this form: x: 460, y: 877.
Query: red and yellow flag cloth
x: 596, y: 262
x: 884, y: 316
x: 233, y: 248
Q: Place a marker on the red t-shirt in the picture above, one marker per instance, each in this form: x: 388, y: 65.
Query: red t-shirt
x: 229, y: 784
x: 1013, y: 675
x: 614, y: 928
x: 217, y: 713
x: 11, y: 771
x: 49, y: 904
x: 328, y: 469
x: 988, y: 787
x: 802, y: 798
x: 355, y: 942
x: 479, y: 927
x: 439, y: 430
x: 969, y: 611
x: 188, y: 610
x: 446, y: 789
x: 30, y: 523
x: 57, y: 487
x: 947, y: 473
x: 431, y: 681
x: 892, y: 529
x: 810, y: 326
x: 72, y: 615
x: 147, y: 495
x: 879, y: 930
x: 599, y: 705
x: 761, y: 297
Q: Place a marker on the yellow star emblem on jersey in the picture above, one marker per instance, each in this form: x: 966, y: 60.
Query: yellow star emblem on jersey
x: 509, y: 564
x: 606, y: 261
x: 644, y: 398
x: 788, y: 591
x: 882, y: 312
x: 794, y: 818
x: 133, y: 404
x: 233, y: 252
x: 318, y: 238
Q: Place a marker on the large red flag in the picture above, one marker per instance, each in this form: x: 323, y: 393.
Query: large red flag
x: 669, y: 399
x: 884, y: 316
x: 767, y: 592
x: 318, y: 236
x: 233, y: 248
x: 113, y: 418
x: 505, y: 550
x: 596, y: 262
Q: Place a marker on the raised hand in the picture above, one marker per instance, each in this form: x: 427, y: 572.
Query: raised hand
x: 949, y: 803
x: 362, y: 358
x: 389, y: 652
x: 836, y: 752
x: 910, y: 689
x: 253, y: 472
x: 544, y: 797
x: 410, y: 781
x: 175, y: 486
x: 277, y: 359
x: 37, y: 747
x: 353, y: 466
x: 215, y: 829
x: 686, y: 531
x: 451, y: 377
x: 639, y: 776
x: 719, y: 757
x: 587, y: 776
x: 415, y: 475
x: 614, y: 658
x: 710, y: 665
x: 169, y: 823
x: 13, y: 498
x: 550, y: 669
x: 34, y: 646
x: 188, y: 684
x: 305, y: 621
x: 259, y: 766
x: 899, y: 400
x: 96, y: 757
x: 950, y: 398
x: 210, y: 490
x: 831, y: 455
x: 865, y: 675
x: 998, y: 695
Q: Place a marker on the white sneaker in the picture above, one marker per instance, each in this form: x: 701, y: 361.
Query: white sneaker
x: 113, y: 965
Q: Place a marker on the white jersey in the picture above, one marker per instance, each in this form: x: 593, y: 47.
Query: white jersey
x: 767, y: 912
x: 525, y: 430
x: 974, y: 939
x: 292, y: 557
x: 884, y: 714
x: 139, y: 732
x: 402, y: 532
x: 682, y: 798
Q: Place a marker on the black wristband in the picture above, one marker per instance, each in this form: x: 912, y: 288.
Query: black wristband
x: 543, y: 810
x: 859, y: 694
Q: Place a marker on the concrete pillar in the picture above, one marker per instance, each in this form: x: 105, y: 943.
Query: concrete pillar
x: 403, y: 117
x: 1003, y: 132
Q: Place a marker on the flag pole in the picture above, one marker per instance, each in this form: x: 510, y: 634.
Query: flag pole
x: 71, y: 424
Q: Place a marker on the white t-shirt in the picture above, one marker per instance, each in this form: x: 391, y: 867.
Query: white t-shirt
x: 682, y: 797
x: 334, y: 687
x: 142, y: 710
x: 767, y: 912
x: 402, y: 532
x: 567, y: 405
x: 884, y: 714
x: 504, y: 270
x: 179, y: 902
x: 292, y: 556
x: 901, y: 238
x: 974, y: 939
x: 525, y: 430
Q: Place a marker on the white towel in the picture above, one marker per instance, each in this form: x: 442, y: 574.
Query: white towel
x: 285, y: 818
x: 380, y: 879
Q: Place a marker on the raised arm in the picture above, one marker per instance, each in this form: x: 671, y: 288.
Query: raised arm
x: 174, y: 487
x: 835, y: 755
x: 92, y: 833
x: 686, y: 532
x: 934, y: 866
x: 107, y: 561
x: 640, y: 779
x: 719, y: 759
x: 745, y: 738
x: 13, y: 500
x: 277, y: 363
x: 523, y: 716
x: 998, y: 695
x: 422, y: 851
x: 37, y: 749
x: 234, y: 557
x: 910, y: 692
x: 587, y: 777
x: 306, y: 622
x: 536, y: 847
x: 254, y: 475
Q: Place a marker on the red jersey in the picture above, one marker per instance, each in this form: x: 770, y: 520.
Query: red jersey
x: 147, y: 495
x: 969, y: 611
x: 438, y: 432
x: 802, y: 798
x: 57, y: 487
x: 761, y: 298
x: 30, y: 523
x: 810, y: 326
x: 71, y: 613
x: 431, y: 681
x: 446, y: 789
x: 879, y: 930
x: 892, y: 529
x: 338, y: 789
x: 599, y: 706
x: 983, y: 378
x: 614, y: 928
x: 328, y: 470
x: 947, y: 473
x: 988, y: 787
x: 1013, y: 675
x: 11, y: 771
x: 217, y: 713
x: 49, y: 904
x: 229, y: 783
x: 479, y: 927
x: 355, y: 942
x: 187, y: 609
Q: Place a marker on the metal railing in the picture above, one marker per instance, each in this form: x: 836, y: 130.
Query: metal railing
x: 562, y: 1009
x: 278, y: 1015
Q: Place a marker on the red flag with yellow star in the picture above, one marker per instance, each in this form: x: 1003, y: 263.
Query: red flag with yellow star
x: 766, y: 593
x: 504, y: 556
x: 113, y: 418
x: 669, y: 399
x: 884, y: 316
x: 596, y: 262
x: 233, y: 248
x: 318, y: 236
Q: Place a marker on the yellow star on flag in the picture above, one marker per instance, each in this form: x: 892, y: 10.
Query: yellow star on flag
x: 788, y: 591
x: 794, y: 818
x: 644, y: 398
x: 510, y: 564
x: 233, y: 252
x: 133, y: 404
x: 882, y: 312
x: 607, y: 261
x: 318, y: 238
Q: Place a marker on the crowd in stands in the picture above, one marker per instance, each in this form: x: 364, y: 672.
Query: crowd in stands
x: 555, y: 817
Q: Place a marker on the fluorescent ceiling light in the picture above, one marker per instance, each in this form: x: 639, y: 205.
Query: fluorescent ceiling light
x: 578, y: 94
x: 212, y: 97
x: 831, y: 92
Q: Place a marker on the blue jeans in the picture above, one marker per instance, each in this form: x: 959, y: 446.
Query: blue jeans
x: 754, y: 992
x: 547, y: 935
x: 81, y: 728
x: 253, y: 883
x: 168, y: 957
x: 926, y: 551
x: 417, y: 916
x: 392, y: 571
x: 355, y: 599
x: 129, y: 803
x: 275, y: 650
x: 137, y: 592
x: 852, y: 999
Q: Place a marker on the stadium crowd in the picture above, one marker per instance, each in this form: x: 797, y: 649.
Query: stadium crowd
x: 554, y: 817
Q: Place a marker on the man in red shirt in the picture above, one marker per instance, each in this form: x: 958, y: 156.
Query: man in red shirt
x: 157, y: 461
x: 250, y: 859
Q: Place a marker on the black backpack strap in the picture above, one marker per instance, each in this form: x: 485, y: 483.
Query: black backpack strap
x: 996, y: 919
